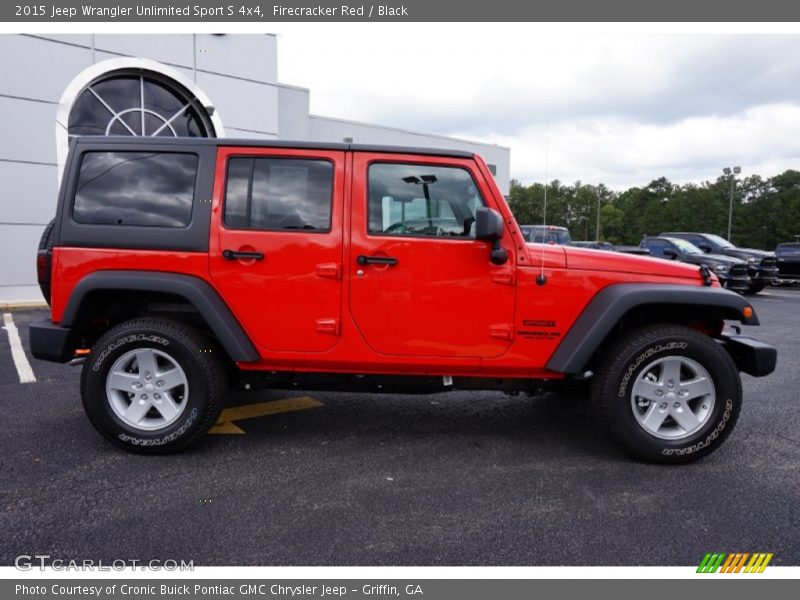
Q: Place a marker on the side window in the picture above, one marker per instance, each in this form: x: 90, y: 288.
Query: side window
x: 696, y: 239
x: 656, y: 247
x: 153, y: 189
x: 277, y: 194
x: 422, y: 201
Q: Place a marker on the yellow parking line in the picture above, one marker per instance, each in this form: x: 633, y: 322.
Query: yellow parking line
x: 225, y: 424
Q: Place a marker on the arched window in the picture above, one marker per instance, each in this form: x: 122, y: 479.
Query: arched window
x: 139, y: 104
x: 133, y: 96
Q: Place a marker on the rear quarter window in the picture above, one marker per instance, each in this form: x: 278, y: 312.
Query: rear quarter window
x: 150, y: 189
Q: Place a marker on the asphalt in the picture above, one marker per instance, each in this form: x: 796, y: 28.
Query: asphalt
x: 447, y: 479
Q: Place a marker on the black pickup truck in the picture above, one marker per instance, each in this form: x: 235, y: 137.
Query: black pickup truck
x: 762, y: 266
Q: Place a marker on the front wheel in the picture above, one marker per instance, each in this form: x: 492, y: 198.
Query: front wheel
x: 153, y: 386
x: 756, y: 287
x: 668, y: 394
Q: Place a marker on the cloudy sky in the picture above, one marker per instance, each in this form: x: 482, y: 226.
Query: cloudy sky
x: 622, y: 109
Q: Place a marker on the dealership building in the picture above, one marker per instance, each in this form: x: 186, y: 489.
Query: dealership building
x: 55, y: 86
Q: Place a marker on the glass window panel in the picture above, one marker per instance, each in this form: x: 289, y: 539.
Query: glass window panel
x: 422, y: 200
x: 283, y: 194
x: 88, y: 116
x: 135, y: 188
x: 161, y: 100
x: 239, y: 172
x: 120, y: 92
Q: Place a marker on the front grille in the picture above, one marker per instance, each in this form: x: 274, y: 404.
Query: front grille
x: 737, y: 271
x: 769, y: 262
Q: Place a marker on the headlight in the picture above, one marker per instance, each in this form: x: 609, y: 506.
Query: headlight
x: 721, y: 269
x: 752, y: 261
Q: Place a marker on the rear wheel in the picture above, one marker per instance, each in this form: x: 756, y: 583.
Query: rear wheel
x: 153, y: 385
x: 668, y: 394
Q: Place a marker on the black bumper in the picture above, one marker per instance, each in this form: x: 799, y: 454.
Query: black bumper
x: 759, y: 273
x: 751, y: 356
x: 736, y: 284
x: 50, y: 342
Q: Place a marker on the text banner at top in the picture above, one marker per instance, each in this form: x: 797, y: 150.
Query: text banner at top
x: 255, y: 11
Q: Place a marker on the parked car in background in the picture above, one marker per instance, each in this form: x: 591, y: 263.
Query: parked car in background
x: 640, y: 250
x: 595, y: 245
x: 732, y: 272
x: 788, y: 257
x: 546, y: 234
x: 762, y: 265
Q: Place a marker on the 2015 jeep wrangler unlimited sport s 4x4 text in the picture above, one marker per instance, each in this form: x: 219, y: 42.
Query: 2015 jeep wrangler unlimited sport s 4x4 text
x: 180, y: 267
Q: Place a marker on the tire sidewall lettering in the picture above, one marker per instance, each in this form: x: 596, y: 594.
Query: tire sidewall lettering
x: 128, y: 339
x: 137, y: 441
x: 710, y: 438
x: 647, y: 354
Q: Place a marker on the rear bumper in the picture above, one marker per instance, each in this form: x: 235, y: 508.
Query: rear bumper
x: 751, y: 356
x: 50, y: 341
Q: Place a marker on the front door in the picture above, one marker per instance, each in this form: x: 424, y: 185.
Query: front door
x: 420, y: 284
x: 276, y: 256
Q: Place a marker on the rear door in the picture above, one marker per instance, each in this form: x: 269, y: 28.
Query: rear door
x: 420, y: 284
x: 276, y: 250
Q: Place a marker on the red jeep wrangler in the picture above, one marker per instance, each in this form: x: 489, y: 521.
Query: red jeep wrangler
x: 183, y: 266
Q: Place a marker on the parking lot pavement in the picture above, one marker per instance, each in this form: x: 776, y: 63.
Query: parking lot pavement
x: 447, y: 479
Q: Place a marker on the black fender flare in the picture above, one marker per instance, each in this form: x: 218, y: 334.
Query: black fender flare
x: 612, y: 303
x: 194, y: 290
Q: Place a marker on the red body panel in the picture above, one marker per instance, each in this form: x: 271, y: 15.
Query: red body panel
x: 444, y: 309
x: 70, y: 265
x: 290, y: 300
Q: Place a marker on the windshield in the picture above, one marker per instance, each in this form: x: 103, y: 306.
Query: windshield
x: 721, y: 242
x: 547, y: 235
x: 686, y: 247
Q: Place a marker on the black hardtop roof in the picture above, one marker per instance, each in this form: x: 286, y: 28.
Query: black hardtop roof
x: 266, y: 143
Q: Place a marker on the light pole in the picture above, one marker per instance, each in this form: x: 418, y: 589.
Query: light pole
x: 732, y: 177
x: 597, y: 226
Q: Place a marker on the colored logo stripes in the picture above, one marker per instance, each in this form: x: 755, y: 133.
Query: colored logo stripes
x: 735, y: 562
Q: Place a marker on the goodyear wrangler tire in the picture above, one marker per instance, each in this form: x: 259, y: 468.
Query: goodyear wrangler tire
x: 153, y: 386
x: 668, y: 394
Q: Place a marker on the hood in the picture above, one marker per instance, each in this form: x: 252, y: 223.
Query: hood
x: 750, y: 252
x: 603, y: 260
x: 714, y: 259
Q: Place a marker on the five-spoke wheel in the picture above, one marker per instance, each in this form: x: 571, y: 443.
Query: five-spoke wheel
x: 147, y: 389
x: 667, y: 393
x: 153, y: 385
x: 672, y: 397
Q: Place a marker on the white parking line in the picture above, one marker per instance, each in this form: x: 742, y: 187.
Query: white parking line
x: 24, y: 369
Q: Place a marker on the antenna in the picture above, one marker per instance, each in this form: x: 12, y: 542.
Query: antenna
x: 541, y: 279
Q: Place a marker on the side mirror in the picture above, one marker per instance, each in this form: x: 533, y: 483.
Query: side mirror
x: 488, y: 224
x: 705, y: 248
x: 670, y: 253
x: 489, y: 228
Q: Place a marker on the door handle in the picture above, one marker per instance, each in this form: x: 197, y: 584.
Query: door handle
x: 376, y: 260
x: 235, y: 254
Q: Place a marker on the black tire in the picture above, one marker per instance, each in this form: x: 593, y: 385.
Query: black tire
x: 46, y: 243
x: 202, y: 367
x: 756, y: 287
x: 637, y: 354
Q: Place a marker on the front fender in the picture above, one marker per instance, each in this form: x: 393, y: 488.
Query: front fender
x: 612, y: 303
